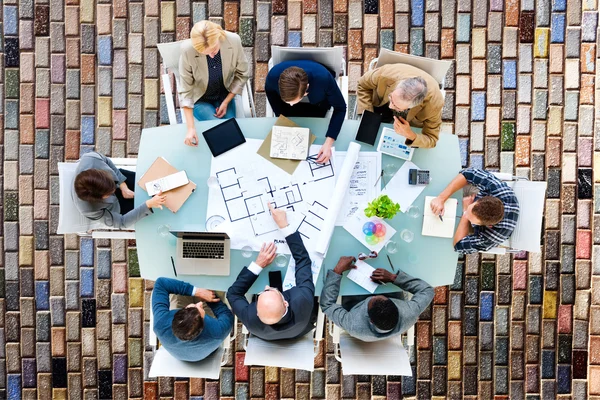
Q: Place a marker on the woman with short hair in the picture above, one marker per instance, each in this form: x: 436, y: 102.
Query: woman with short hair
x: 213, y: 69
x: 102, y: 191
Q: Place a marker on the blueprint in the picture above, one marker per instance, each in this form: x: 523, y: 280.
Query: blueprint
x: 289, y: 142
x: 246, y: 184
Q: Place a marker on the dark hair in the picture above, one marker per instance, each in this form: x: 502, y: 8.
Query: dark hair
x: 93, y: 184
x: 489, y: 210
x: 293, y: 82
x: 187, y: 323
x: 383, y: 313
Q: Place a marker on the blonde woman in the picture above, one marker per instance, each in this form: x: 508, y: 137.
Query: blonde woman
x: 213, y: 70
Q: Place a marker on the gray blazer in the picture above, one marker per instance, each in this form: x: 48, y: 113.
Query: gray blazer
x: 108, y: 209
x: 193, y: 70
x: 356, y: 320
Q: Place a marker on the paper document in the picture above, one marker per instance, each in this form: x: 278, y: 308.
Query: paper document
x: 361, y: 275
x: 399, y: 190
x: 372, y: 232
x: 363, y: 187
x: 433, y: 225
x: 290, y: 275
x: 393, y: 144
x: 167, y: 183
x: 289, y: 142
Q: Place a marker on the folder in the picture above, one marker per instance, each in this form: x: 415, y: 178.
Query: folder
x: 176, y: 197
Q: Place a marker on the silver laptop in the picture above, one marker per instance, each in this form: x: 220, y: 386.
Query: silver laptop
x: 202, y: 253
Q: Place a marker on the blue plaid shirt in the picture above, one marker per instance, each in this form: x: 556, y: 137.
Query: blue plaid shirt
x: 484, y: 238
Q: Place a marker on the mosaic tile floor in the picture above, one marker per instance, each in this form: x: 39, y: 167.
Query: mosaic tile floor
x: 82, y: 74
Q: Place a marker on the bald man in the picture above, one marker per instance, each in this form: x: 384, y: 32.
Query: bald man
x: 277, y: 315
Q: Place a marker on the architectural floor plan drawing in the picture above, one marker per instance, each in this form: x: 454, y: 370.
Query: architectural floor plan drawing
x: 247, y: 183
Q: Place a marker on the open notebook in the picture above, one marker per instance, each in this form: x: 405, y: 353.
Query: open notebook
x: 433, y: 226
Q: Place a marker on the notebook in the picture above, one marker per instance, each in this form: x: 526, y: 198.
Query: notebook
x: 433, y: 226
x: 290, y: 143
x: 361, y: 275
x: 176, y: 197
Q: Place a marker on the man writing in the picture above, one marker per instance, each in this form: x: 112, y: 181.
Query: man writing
x: 277, y: 315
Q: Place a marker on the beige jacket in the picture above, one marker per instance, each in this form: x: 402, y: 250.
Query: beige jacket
x: 374, y: 89
x: 193, y: 70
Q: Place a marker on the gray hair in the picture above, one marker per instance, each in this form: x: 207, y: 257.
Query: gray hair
x: 412, y: 90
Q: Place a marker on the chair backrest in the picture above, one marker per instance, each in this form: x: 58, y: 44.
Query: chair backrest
x: 383, y: 357
x: 70, y: 219
x: 331, y: 57
x: 164, y: 364
x: 170, y: 53
x: 435, y: 68
x: 528, y: 232
x: 291, y: 353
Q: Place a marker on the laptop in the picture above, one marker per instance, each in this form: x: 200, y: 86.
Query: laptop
x: 202, y: 253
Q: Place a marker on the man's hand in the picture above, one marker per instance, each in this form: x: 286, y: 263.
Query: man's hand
x: 207, y: 295
x: 381, y: 275
x: 127, y: 194
x: 325, y: 151
x: 266, y: 255
x: 222, y: 109
x: 467, y: 201
x: 345, y: 263
x: 437, y: 205
x: 402, y: 127
x: 279, y: 216
x: 191, y: 139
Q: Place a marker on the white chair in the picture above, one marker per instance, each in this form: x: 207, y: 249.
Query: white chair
x: 528, y: 232
x: 296, y: 353
x: 170, y: 53
x: 383, y: 357
x: 331, y: 57
x: 69, y: 218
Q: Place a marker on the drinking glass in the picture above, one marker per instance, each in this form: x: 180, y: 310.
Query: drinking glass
x: 391, y: 247
x: 413, y: 212
x: 407, y: 235
x: 212, y: 182
x: 281, y: 260
x: 389, y: 170
x: 164, y: 230
x: 247, y: 251
x: 413, y: 258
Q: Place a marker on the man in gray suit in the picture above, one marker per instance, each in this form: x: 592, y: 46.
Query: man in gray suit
x: 375, y: 317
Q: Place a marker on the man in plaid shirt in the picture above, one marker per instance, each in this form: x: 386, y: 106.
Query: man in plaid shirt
x: 493, y: 212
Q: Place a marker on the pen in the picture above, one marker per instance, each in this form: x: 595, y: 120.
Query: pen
x: 441, y: 219
x: 174, y: 270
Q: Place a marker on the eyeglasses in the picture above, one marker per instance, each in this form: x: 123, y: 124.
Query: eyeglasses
x: 396, y: 110
x: 364, y: 256
x: 272, y: 289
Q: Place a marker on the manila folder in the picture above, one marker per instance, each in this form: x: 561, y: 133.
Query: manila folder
x: 176, y: 197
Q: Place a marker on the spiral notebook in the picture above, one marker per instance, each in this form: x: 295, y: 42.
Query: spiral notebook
x: 433, y: 226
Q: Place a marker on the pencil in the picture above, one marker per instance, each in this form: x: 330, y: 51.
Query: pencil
x: 174, y: 270
x: 441, y: 219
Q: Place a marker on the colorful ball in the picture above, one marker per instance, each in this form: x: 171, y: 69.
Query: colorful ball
x: 372, y: 239
x: 379, y: 230
x: 368, y: 228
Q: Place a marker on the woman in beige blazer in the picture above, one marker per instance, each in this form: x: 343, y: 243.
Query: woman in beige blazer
x: 213, y: 69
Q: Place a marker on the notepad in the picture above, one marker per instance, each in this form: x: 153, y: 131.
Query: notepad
x: 433, y: 226
x: 361, y: 275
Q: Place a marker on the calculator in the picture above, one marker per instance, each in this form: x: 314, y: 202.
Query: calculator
x: 418, y: 176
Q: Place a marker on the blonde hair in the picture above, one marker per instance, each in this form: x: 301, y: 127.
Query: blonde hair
x: 205, y: 35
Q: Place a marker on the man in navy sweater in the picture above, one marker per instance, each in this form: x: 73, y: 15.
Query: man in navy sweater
x: 187, y: 333
x: 304, y: 88
x: 277, y: 315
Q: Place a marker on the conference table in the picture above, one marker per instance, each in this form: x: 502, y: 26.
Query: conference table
x: 432, y: 259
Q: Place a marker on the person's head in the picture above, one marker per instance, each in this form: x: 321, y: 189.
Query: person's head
x: 188, y: 322
x: 206, y: 38
x: 293, y: 85
x: 486, y: 211
x: 94, y: 185
x: 271, y: 307
x: 408, y: 93
x: 383, y: 313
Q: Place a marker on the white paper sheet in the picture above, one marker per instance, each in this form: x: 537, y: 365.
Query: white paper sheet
x: 289, y: 142
x: 291, y: 353
x: 246, y: 184
x: 356, y: 223
x: 361, y: 275
x: 383, y: 357
x: 400, y: 191
x: 290, y: 275
x: 335, y: 204
x: 363, y: 182
x: 433, y: 226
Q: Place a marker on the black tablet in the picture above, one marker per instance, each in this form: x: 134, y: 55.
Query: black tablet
x: 224, y: 137
x: 368, y: 128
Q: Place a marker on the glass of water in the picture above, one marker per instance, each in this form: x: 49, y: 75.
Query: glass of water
x: 389, y: 170
x: 212, y: 182
x: 164, y: 230
x: 281, y: 260
x: 407, y: 235
x: 413, y: 258
x: 391, y: 247
x: 247, y: 251
x: 413, y: 212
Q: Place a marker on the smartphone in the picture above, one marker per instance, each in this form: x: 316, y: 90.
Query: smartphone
x: 275, y: 280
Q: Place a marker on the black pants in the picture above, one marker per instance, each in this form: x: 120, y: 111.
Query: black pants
x: 126, y: 204
x: 305, y: 109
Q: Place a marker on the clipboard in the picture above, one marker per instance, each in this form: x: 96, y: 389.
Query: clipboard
x: 264, y: 150
x: 176, y: 197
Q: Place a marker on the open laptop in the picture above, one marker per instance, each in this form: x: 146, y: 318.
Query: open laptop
x: 202, y: 253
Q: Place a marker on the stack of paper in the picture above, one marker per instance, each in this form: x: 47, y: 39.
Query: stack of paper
x: 433, y: 225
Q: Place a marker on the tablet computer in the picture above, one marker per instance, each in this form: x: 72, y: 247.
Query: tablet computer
x: 368, y: 128
x: 224, y: 137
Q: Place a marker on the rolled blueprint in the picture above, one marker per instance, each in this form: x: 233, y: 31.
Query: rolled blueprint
x: 341, y: 187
